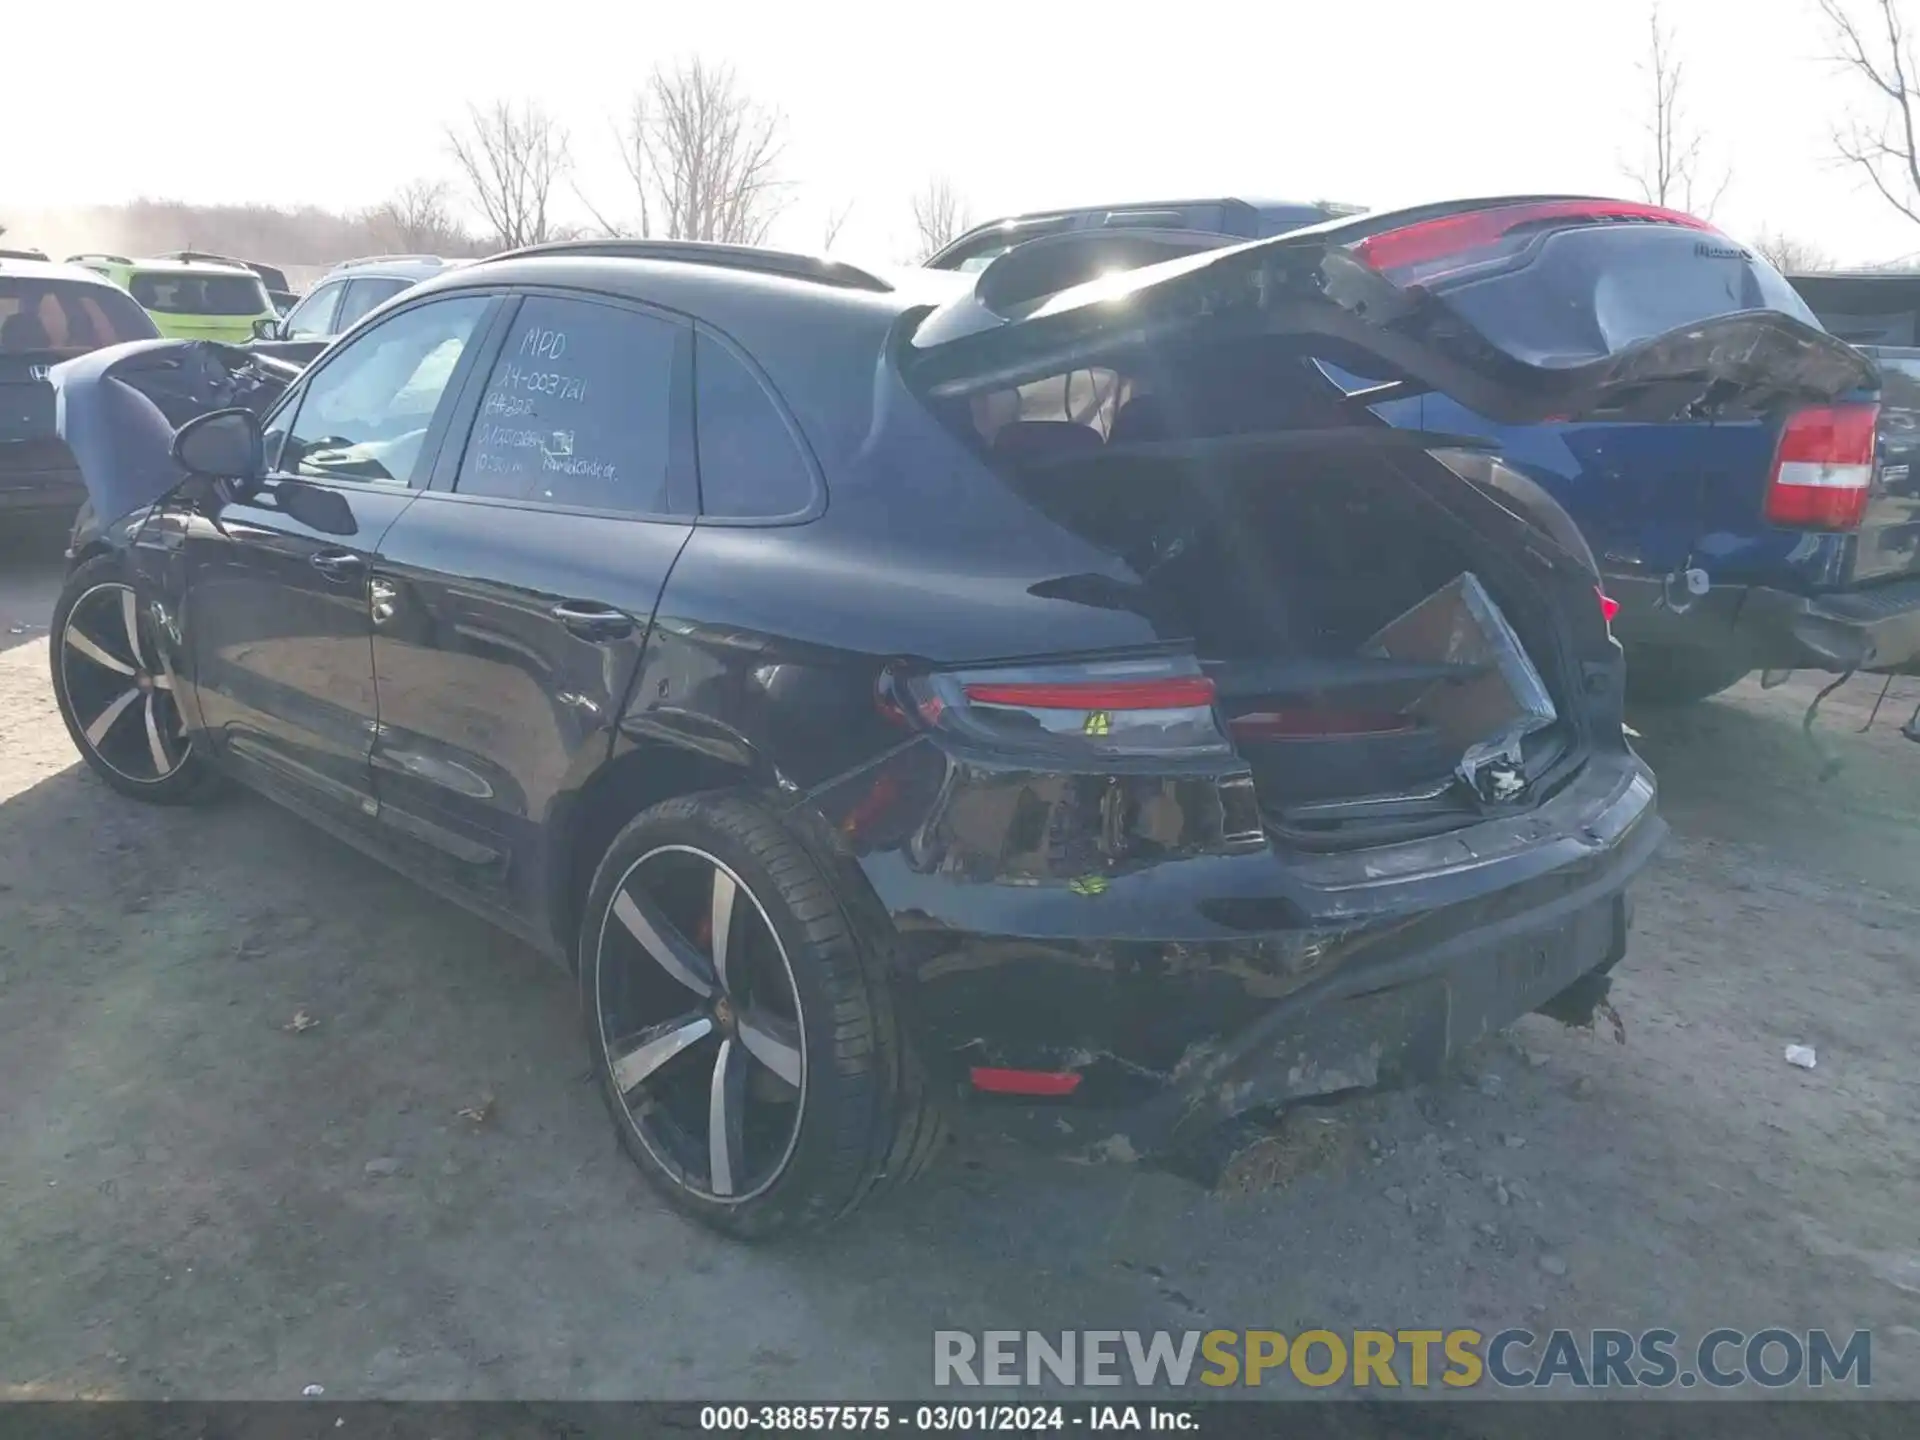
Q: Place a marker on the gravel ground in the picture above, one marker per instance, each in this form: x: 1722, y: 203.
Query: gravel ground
x: 200, y: 1197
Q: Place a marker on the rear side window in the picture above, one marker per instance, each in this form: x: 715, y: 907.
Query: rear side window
x: 168, y: 292
x: 59, y: 315
x: 751, y: 467
x: 580, y: 409
x: 363, y: 296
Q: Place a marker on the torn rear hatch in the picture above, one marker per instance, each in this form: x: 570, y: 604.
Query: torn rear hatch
x: 1526, y: 310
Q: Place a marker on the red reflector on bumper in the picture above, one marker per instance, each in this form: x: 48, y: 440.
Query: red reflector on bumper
x: 1024, y: 1082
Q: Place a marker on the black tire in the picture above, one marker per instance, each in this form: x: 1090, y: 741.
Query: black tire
x: 1657, y: 675
x: 862, y: 1116
x: 114, y: 689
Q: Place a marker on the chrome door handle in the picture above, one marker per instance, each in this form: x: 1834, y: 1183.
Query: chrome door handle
x: 342, y: 567
x: 382, y: 595
x: 592, y: 621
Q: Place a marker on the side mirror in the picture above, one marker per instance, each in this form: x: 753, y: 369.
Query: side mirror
x: 266, y: 327
x: 223, y: 445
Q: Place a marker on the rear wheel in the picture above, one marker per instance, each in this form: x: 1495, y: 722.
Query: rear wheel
x: 1657, y: 675
x: 741, y: 1029
x: 115, y: 688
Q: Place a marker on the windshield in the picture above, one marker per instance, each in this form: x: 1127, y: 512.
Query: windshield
x: 179, y: 292
x: 67, y: 316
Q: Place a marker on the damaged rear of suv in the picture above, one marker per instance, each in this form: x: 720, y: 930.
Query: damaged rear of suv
x: 1360, y: 794
x: 1044, y: 686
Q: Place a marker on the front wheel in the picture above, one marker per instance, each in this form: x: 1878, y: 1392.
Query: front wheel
x: 741, y: 1029
x: 115, y: 688
x: 1657, y: 675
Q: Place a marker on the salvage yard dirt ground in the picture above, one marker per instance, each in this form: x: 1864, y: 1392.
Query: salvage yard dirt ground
x: 270, y: 1118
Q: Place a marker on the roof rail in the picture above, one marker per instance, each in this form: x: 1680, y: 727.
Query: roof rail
x: 202, y: 255
x: 23, y: 254
x: 386, y: 260
x: 703, y: 252
x: 99, y: 255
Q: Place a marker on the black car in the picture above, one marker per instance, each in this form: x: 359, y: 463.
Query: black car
x: 49, y: 313
x: 887, y: 693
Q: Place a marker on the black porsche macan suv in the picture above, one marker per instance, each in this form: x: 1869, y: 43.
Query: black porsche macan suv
x: 888, y: 694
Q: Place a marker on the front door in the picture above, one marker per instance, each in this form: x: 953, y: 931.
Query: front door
x: 278, y: 628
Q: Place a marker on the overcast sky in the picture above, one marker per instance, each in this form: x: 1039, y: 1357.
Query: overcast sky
x: 1380, y: 102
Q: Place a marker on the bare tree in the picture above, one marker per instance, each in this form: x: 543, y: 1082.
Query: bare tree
x: 1791, y: 256
x: 509, y: 157
x: 941, y: 215
x: 704, y: 156
x: 1670, y: 173
x: 1887, y: 152
x: 836, y: 222
x: 418, y: 217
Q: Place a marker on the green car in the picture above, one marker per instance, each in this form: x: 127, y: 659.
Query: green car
x: 190, y: 299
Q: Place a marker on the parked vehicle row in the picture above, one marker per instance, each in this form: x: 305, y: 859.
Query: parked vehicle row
x: 343, y: 296
x: 1053, y: 686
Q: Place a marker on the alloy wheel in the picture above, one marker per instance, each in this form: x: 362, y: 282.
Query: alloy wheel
x: 700, y: 1019
x: 119, y: 686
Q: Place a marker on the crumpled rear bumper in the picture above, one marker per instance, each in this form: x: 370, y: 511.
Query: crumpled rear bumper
x: 1220, y: 979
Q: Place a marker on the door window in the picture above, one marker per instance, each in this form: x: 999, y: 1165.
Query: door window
x: 312, y: 318
x: 581, y: 409
x: 366, y: 411
x: 363, y: 296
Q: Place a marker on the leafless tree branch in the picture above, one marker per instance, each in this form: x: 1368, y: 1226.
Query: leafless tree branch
x: 1791, y: 256
x: 419, y: 218
x: 836, y: 221
x: 1670, y: 172
x: 1886, y: 66
x: 703, y: 156
x: 510, y: 158
x: 941, y: 215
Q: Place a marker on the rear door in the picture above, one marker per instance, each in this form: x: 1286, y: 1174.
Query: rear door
x: 278, y: 623
x: 511, y: 604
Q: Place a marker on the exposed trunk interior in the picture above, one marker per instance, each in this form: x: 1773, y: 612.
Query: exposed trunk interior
x: 1283, y: 551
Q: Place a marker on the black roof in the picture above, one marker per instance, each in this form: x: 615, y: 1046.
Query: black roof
x: 817, y: 328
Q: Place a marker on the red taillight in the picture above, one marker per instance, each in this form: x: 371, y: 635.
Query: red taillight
x: 1823, y: 473
x: 1046, y: 1083
x: 1074, y: 710
x: 1177, y: 693
x: 1453, y: 236
x: 1609, y: 607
